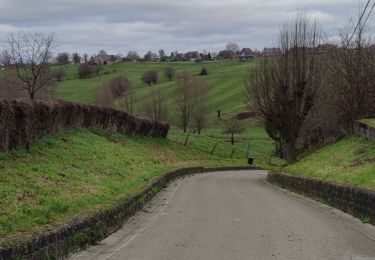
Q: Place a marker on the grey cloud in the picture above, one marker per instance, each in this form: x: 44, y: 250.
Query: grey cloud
x: 122, y: 25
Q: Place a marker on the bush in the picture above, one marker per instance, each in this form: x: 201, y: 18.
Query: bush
x: 169, y: 73
x: 84, y: 71
x: 150, y: 77
x: 58, y: 74
x: 23, y: 122
x: 204, y: 72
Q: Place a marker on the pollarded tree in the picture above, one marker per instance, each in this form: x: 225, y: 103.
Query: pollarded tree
x: 283, y: 89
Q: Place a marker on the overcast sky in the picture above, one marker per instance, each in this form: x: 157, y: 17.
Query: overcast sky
x: 122, y: 25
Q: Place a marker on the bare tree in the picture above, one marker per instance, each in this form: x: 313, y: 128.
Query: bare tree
x: 155, y: 104
x: 184, y: 98
x: 113, y: 90
x: 283, y: 90
x: 5, y: 58
x: 200, y: 95
x: 85, y: 58
x: 132, y: 56
x: 63, y: 58
x: 76, y: 58
x: 352, y: 73
x: 233, y: 126
x: 127, y: 98
x: 30, y: 53
x: 169, y: 73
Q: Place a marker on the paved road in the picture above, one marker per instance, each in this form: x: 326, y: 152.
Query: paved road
x: 236, y: 215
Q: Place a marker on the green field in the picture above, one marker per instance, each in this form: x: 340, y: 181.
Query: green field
x: 227, y: 81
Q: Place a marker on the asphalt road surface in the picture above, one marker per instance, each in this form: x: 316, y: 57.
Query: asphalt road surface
x: 236, y: 215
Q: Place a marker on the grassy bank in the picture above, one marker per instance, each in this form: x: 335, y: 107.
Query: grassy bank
x: 80, y: 171
x: 349, y: 161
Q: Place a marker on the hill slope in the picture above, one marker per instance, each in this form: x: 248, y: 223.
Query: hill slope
x: 226, y: 79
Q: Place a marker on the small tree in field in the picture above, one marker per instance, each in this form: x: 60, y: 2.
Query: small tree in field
x: 184, y: 98
x: 200, y: 94
x: 155, y: 104
x: 233, y: 126
x: 150, y: 77
x: 84, y: 71
x: 63, y: 58
x: 169, y: 73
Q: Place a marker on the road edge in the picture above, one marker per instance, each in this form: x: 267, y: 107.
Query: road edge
x: 355, y: 201
x: 79, y: 234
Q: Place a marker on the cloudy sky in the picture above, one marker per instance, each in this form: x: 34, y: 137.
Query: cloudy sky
x: 183, y: 25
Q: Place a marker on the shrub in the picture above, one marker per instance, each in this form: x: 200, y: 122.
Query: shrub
x: 150, y: 77
x: 84, y: 71
x: 169, y: 73
x: 58, y: 74
x: 204, y: 72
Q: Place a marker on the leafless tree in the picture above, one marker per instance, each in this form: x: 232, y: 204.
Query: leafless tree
x: 155, y: 104
x: 85, y: 58
x: 76, y: 58
x: 352, y: 73
x: 30, y: 54
x: 283, y: 89
x: 5, y: 59
x: 184, y: 98
x: 63, y: 58
x: 169, y: 73
x: 127, y: 98
x: 84, y: 70
x: 132, y: 55
x: 200, y: 95
x: 112, y: 90
x: 233, y: 126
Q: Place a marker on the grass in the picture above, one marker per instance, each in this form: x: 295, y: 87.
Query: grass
x: 80, y: 171
x: 227, y: 81
x: 349, y: 161
x: 368, y: 121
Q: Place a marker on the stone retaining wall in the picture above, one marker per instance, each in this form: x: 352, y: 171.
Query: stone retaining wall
x: 364, y: 131
x: 79, y: 234
x: 353, y: 200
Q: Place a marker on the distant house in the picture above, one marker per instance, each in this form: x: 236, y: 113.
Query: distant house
x: 246, y: 54
x: 192, y: 55
x: 272, y: 51
x: 106, y: 59
x: 179, y: 57
x: 247, y: 51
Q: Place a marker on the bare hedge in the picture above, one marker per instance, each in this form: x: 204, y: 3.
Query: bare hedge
x: 23, y: 122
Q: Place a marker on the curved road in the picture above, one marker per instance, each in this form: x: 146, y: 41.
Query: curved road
x: 236, y: 215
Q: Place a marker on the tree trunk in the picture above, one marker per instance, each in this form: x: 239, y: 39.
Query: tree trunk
x: 232, y: 139
x: 290, y: 151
